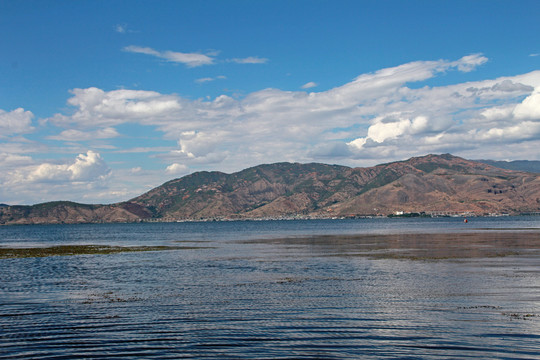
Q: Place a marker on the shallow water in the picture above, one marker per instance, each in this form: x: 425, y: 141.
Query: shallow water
x: 373, y: 288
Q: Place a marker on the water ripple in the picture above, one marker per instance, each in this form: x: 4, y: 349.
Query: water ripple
x: 255, y: 299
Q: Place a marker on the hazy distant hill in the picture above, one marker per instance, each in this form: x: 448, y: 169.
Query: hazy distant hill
x: 65, y: 212
x: 520, y: 165
x: 430, y: 184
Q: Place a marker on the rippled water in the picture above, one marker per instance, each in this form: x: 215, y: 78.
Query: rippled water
x: 379, y: 288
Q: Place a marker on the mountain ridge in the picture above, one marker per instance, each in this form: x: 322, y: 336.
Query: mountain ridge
x: 430, y: 184
x: 520, y: 165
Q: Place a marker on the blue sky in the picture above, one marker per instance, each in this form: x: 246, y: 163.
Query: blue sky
x: 103, y: 100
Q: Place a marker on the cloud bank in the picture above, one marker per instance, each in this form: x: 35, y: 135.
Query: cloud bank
x: 376, y: 117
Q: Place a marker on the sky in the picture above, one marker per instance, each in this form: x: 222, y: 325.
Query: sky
x: 101, y: 101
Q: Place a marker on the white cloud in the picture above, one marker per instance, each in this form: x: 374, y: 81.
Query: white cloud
x: 210, y: 79
x: 81, y: 179
x: 142, y: 50
x: 77, y: 135
x: 470, y: 62
x: 391, y: 128
x: 204, y: 80
x: 195, y: 144
x: 89, y: 167
x: 309, y: 85
x: 394, y: 126
x: 134, y: 150
x: 194, y: 59
x: 250, y: 60
x: 189, y: 59
x: 17, y: 121
x: 85, y: 168
x: 375, y: 117
x: 530, y: 107
x: 13, y: 161
x: 120, y: 28
x: 376, y: 109
x: 99, y: 108
x: 520, y: 131
x: 497, y: 113
x: 177, y: 169
x: 381, y: 131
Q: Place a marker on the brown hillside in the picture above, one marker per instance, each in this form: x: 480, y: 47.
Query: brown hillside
x: 432, y: 184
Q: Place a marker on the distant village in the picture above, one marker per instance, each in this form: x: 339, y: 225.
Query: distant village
x: 396, y: 214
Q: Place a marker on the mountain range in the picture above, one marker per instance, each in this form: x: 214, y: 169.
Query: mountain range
x: 432, y: 185
x: 520, y: 165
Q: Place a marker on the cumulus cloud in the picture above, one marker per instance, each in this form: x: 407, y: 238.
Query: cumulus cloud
x: 195, y: 144
x: 18, y: 121
x: 394, y: 126
x: 99, y: 108
x: 86, y: 170
x: 77, y: 180
x: 390, y: 130
x: 177, y: 169
x: 467, y: 120
x: 87, y: 167
x: 188, y: 59
x: 530, y: 107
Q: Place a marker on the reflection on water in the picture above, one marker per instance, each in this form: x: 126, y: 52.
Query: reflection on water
x: 423, y: 246
x: 307, y: 290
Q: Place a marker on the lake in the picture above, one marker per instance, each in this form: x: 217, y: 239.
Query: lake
x: 300, y: 289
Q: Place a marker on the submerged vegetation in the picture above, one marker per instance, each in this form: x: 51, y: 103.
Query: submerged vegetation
x: 67, y: 250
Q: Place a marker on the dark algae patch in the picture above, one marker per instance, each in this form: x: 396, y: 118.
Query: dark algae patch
x: 67, y: 250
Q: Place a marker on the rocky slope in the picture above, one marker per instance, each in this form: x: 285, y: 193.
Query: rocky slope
x: 438, y: 184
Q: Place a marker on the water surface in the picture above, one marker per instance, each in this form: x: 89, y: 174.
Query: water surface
x: 341, y: 289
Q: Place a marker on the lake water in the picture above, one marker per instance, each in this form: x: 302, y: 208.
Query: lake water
x: 313, y: 289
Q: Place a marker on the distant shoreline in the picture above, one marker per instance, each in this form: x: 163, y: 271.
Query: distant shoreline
x: 284, y: 218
